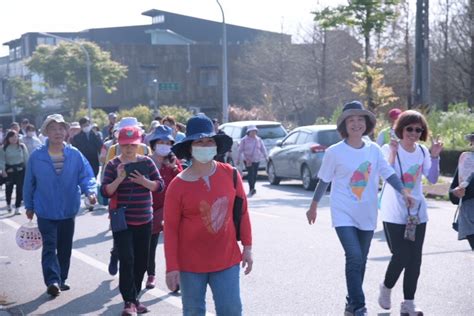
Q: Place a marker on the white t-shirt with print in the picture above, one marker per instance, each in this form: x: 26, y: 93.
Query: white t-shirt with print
x: 354, y: 174
x: 392, y: 207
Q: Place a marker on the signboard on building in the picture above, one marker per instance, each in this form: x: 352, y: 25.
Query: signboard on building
x: 168, y: 86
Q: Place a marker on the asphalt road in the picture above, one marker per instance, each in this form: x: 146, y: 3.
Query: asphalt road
x: 298, y: 269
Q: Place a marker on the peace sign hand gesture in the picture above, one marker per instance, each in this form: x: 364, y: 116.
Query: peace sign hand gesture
x: 436, y: 146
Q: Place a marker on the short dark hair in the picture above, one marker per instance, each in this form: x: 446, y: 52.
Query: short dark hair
x: 84, y: 120
x: 25, y: 121
x: 170, y: 119
x: 187, y: 150
x: 369, y: 126
x: 411, y: 117
x: 30, y: 127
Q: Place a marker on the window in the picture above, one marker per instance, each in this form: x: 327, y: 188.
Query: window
x: 45, y: 41
x: 271, y: 131
x: 208, y: 76
x: 327, y: 138
x: 291, y: 140
x: 158, y: 19
x: 304, y: 138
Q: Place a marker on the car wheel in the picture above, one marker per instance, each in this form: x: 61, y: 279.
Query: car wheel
x: 309, y: 183
x: 272, y: 178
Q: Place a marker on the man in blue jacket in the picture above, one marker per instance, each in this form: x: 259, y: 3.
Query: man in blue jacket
x: 56, y: 175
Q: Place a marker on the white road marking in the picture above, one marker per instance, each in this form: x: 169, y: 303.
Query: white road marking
x: 162, y: 295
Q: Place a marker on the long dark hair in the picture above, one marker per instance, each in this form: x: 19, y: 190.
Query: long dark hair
x: 6, y: 141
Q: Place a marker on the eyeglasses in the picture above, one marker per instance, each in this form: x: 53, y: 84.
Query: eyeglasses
x: 411, y: 129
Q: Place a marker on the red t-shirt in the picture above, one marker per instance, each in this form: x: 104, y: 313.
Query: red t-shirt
x: 199, y: 229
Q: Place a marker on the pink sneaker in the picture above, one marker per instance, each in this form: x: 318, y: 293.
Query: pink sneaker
x: 129, y: 309
x: 150, y: 282
x: 141, y: 309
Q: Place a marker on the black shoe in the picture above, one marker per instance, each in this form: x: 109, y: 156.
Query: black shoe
x: 65, y: 287
x: 113, y: 264
x: 53, y: 289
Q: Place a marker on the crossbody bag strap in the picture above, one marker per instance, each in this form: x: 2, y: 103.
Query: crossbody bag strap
x: 403, y: 181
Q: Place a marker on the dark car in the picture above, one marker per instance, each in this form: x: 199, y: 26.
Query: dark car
x: 300, y: 154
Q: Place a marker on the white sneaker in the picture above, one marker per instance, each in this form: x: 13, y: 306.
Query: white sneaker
x: 17, y: 211
x: 408, y: 308
x: 384, y: 297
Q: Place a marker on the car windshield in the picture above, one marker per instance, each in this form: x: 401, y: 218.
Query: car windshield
x: 327, y: 138
x: 271, y: 131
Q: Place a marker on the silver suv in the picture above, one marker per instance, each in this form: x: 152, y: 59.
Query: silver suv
x: 269, y: 131
x: 300, y: 154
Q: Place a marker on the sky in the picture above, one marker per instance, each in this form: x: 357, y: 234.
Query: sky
x: 22, y: 16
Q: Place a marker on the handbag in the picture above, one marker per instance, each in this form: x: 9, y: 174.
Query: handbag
x: 455, y: 224
x: 118, y: 220
x: 237, y: 209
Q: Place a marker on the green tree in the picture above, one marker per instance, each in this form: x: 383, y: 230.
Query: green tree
x: 367, y: 17
x: 382, y: 94
x: 25, y: 97
x: 64, y: 67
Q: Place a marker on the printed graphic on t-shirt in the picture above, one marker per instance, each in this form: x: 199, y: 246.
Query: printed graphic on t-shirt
x: 359, y: 179
x: 214, y: 216
x: 411, y: 176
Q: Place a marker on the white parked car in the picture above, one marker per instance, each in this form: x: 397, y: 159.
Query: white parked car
x: 269, y: 131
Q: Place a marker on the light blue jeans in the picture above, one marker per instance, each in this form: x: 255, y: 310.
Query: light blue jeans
x: 356, y: 244
x: 225, y: 287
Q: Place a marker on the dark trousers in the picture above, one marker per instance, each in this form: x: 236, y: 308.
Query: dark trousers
x: 133, y: 246
x: 151, y: 259
x: 57, y: 247
x: 15, y: 178
x: 406, y: 255
x: 252, y: 174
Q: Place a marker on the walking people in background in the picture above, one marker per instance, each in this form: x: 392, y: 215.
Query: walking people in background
x: 251, y: 150
x: 464, y: 193
x: 411, y: 161
x: 13, y: 159
x: 388, y: 133
x: 56, y: 175
x: 169, y: 166
x: 200, y: 245
x: 16, y: 127
x: 24, y: 123
x: 74, y: 129
x: 353, y: 166
x: 30, y: 140
x: 88, y: 143
x: 132, y: 192
x: 171, y: 122
x: 107, y: 130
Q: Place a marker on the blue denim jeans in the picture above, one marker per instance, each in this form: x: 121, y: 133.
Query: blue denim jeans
x: 57, y: 246
x: 356, y: 244
x: 225, y: 287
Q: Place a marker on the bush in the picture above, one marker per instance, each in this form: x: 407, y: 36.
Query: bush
x: 180, y: 114
x: 142, y: 112
x: 99, y: 116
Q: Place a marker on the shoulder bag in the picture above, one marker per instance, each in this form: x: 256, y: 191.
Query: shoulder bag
x: 237, y: 209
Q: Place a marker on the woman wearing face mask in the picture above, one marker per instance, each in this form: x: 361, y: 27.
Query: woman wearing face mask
x: 30, y: 140
x: 200, y: 245
x: 160, y: 142
x: 13, y: 159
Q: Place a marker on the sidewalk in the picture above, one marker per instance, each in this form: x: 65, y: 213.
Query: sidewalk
x: 438, y: 190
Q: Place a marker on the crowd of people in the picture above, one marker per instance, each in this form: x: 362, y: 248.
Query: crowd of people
x: 173, y: 178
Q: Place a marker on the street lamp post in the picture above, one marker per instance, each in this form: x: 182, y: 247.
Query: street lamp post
x: 88, y: 68
x: 155, y: 81
x: 225, y: 101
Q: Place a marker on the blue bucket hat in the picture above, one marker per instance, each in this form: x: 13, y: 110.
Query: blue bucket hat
x: 162, y: 132
x: 197, y: 127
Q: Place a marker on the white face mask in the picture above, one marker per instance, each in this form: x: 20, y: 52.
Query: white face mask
x: 30, y: 134
x: 87, y: 129
x: 204, y: 154
x: 162, y: 149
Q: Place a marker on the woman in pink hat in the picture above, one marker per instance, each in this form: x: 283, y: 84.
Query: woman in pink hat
x: 132, y: 192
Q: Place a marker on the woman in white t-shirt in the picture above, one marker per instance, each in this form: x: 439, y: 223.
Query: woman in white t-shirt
x: 354, y: 166
x: 410, y: 161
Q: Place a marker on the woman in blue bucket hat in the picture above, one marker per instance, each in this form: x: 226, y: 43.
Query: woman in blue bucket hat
x: 201, y: 244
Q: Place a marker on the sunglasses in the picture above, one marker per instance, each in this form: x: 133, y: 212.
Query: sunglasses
x: 411, y: 129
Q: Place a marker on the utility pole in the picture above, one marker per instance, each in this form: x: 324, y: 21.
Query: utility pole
x: 225, y: 98
x: 421, y: 80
